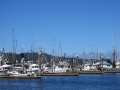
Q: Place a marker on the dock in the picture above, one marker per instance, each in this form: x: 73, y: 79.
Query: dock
x: 25, y: 77
x: 59, y: 74
x: 112, y: 71
x: 99, y: 72
x: 90, y: 72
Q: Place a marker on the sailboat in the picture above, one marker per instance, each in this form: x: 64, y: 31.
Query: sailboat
x: 4, y: 67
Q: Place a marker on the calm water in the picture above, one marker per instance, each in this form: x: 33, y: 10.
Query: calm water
x: 81, y: 82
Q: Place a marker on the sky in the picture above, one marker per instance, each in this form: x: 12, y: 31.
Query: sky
x: 67, y: 26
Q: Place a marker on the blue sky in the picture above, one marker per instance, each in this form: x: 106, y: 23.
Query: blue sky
x: 75, y: 23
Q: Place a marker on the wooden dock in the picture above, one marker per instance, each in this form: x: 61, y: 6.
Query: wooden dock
x: 25, y: 77
x: 59, y: 74
x: 99, y: 72
x: 90, y: 72
x: 112, y: 71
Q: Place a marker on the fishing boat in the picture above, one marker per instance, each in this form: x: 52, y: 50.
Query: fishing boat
x: 16, y: 73
x: 17, y: 69
x: 117, y: 64
x: 105, y: 65
x: 61, y: 67
x: 4, y: 69
x: 88, y: 67
x: 33, y: 68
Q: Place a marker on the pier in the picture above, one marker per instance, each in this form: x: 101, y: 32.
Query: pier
x: 99, y: 72
x: 112, y: 71
x: 24, y: 77
x: 90, y: 72
x: 59, y: 74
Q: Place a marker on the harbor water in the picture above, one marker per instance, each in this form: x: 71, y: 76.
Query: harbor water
x: 106, y: 81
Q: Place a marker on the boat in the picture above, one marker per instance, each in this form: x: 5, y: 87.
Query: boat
x: 61, y: 67
x: 15, y: 73
x: 34, y: 69
x: 19, y: 68
x: 89, y: 67
x: 4, y: 69
x: 117, y: 64
x: 45, y: 68
x: 106, y: 65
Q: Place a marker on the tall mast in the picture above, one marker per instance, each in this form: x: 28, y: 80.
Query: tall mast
x: 12, y: 53
x: 33, y: 48
x: 54, y: 52
x: 15, y: 49
x: 13, y: 44
x: 92, y: 54
x: 28, y: 45
x: 97, y: 54
x: 84, y: 55
x: 114, y: 47
x: 52, y: 56
x: 2, y: 42
x: 60, y: 51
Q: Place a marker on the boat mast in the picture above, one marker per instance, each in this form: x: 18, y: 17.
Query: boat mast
x: 12, y: 53
x: 97, y: 54
x: 54, y: 56
x: 28, y: 45
x: 33, y: 49
x: 84, y: 55
x: 92, y: 55
x: 60, y: 52
x: 15, y: 49
x: 2, y: 42
x: 114, y: 47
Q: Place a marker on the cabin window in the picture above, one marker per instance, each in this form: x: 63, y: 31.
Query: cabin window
x: 36, y: 66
